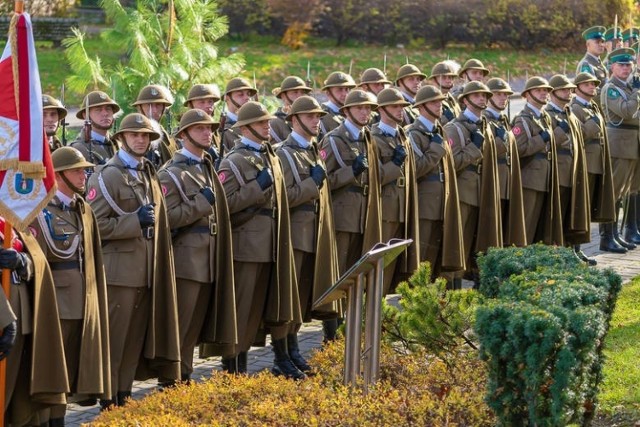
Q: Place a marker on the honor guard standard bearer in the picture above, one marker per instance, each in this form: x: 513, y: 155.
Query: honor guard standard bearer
x: 538, y: 166
x: 237, y: 93
x: 94, y: 140
x: 619, y: 101
x: 53, y: 113
x: 201, y: 230
x: 438, y: 204
x: 312, y: 231
x: 397, y: 178
x: 138, y: 260
x: 472, y: 71
x: 205, y: 97
x: 591, y: 62
x: 474, y: 154
x: 408, y: 81
x: 265, y: 280
x: 353, y: 176
x: 442, y: 76
x: 290, y: 89
x: 596, y: 146
x: 572, y: 166
x: 337, y: 87
x: 153, y: 101
x: 67, y: 232
x: 36, y: 377
x: 510, y: 181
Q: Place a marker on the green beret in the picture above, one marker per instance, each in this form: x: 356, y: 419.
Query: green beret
x: 596, y: 32
x: 623, y: 55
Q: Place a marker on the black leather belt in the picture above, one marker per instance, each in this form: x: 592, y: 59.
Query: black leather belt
x: 474, y: 168
x: 594, y: 141
x: 148, y: 232
x: 432, y: 177
x: 502, y: 161
x: 203, y: 229
x: 65, y: 265
x: 307, y: 207
x: 266, y: 212
x: 564, y: 151
x: 632, y: 127
x: 544, y: 156
x: 362, y: 189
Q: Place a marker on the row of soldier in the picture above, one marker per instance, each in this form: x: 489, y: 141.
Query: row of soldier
x: 224, y: 232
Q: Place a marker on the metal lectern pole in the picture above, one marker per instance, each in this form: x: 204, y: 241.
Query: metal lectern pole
x: 372, y: 325
x: 354, y: 331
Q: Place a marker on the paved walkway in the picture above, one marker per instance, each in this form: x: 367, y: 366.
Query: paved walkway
x: 627, y: 265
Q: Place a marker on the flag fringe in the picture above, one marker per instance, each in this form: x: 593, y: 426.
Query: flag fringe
x: 33, y: 170
x: 22, y: 223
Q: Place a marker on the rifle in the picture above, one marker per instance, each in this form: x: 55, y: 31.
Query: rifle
x: 509, y: 100
x: 308, y: 73
x: 63, y: 122
x: 255, y: 86
x: 87, y: 130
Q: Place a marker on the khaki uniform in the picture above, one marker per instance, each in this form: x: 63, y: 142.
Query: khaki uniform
x: 99, y: 152
x: 228, y: 136
x: 438, y: 204
x: 68, y: 235
x: 329, y: 121
x: 539, y: 171
x: 140, y: 274
x: 266, y: 286
x: 594, y: 66
x: 162, y: 149
x: 54, y: 143
x: 201, y: 242
x: 450, y: 108
x: 280, y: 129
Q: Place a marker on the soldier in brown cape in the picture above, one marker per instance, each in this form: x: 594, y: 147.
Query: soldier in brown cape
x: 442, y: 76
x: 205, y: 97
x: 237, y: 93
x: 538, y: 166
x: 36, y: 370
x: 265, y: 280
x: 408, y: 81
x: 438, y: 204
x: 290, y: 89
x: 397, y: 178
x: 572, y: 166
x: 474, y: 154
x: 153, y: 101
x: 53, y: 113
x: 67, y: 232
x: 337, y: 87
x: 201, y: 230
x: 599, y: 171
x: 143, y: 326
x: 100, y: 147
x: 354, y: 179
x: 312, y: 231
x: 512, y: 209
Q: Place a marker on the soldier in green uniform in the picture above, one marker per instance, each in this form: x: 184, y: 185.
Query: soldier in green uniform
x: 265, y: 280
x: 337, y: 87
x: 67, y: 232
x: 290, y: 89
x: 472, y: 71
x: 408, y: 81
x: 598, y: 158
x: 619, y: 100
x: 591, y: 62
x: 538, y: 165
x: 201, y: 230
x: 373, y: 80
x: 53, y: 113
x: 438, y: 203
x: 442, y: 76
x: 152, y: 102
x: 97, y: 147
x: 237, y: 93
x: 612, y: 40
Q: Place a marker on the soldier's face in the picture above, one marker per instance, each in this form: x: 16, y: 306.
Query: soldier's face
x: 539, y: 95
x: 500, y: 99
x: 77, y: 178
x: 588, y: 88
x: 339, y: 94
x: 435, y: 107
x: 621, y: 71
x: 595, y: 46
x: 479, y: 99
x: 205, y: 104
x: 560, y: 94
x: 445, y: 83
x: 102, y: 115
x: 311, y: 121
x: 241, y: 97
x: 361, y: 113
x: 262, y: 128
x: 153, y: 111
x: 393, y: 111
x: 475, y: 75
x: 138, y: 142
x: 375, y: 88
x: 200, y: 134
x: 412, y: 84
x: 51, y: 121
x: 292, y: 95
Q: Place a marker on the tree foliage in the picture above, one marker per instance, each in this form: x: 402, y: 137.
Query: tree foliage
x: 41, y: 7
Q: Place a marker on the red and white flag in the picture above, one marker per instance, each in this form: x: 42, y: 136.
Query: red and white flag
x: 27, y: 180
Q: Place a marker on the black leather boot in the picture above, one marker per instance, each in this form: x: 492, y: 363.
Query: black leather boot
x: 242, y: 362
x: 608, y: 243
x: 631, y: 233
x: 583, y: 257
x: 294, y: 354
x: 622, y: 242
x: 282, y: 364
x: 185, y: 378
x: 230, y: 364
x: 122, y: 397
x: 108, y: 404
x: 330, y: 330
x: 56, y: 422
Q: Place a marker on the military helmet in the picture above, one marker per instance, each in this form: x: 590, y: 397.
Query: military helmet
x: 67, y: 158
x: 96, y: 99
x: 153, y: 94
x: 473, y: 64
x: 409, y: 70
x: 305, y: 105
x: 238, y: 83
x: 585, y: 77
x: 428, y: 93
x: 560, y: 81
x: 391, y: 96
x: 373, y: 75
x: 50, y: 103
x: 444, y: 68
x: 136, y: 122
x: 252, y: 112
x: 359, y: 97
x: 536, y: 82
x: 291, y: 83
x: 474, y: 87
x: 196, y: 116
x: 339, y: 79
x: 496, y: 84
x: 203, y: 91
